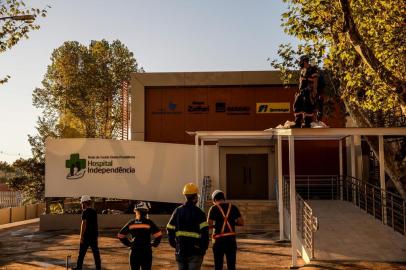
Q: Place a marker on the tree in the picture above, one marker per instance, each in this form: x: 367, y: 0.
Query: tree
x: 361, y: 45
x: 81, y: 91
x: 13, y: 30
x: 5, y: 170
x: 28, y: 179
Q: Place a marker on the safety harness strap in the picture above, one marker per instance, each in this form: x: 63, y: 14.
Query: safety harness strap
x: 225, y: 222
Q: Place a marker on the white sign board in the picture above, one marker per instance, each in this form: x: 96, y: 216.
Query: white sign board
x: 118, y: 169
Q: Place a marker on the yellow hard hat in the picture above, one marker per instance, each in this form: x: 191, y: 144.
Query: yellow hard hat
x: 190, y: 188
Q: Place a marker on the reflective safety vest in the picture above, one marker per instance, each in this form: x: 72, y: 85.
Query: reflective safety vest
x: 188, y: 230
x: 225, y: 223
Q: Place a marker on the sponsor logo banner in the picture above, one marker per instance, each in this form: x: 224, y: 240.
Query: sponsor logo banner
x: 273, y: 107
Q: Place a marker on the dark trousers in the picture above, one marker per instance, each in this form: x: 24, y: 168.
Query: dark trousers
x: 225, y: 246
x: 140, y: 258
x: 303, y: 102
x: 193, y: 262
x: 83, y: 249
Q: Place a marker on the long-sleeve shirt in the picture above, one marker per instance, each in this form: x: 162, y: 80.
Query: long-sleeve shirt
x: 188, y: 230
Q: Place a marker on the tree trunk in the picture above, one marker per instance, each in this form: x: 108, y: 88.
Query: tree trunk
x: 369, y: 57
x: 393, y: 167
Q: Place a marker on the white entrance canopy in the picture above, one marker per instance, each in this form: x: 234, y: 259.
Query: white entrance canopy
x: 338, y: 134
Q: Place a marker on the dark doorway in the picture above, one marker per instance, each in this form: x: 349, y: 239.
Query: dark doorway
x: 247, y: 176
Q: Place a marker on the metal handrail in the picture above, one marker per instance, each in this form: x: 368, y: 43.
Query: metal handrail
x: 307, y: 223
x: 385, y: 206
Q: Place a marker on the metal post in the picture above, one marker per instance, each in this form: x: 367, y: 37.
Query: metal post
x: 366, y: 198
x: 393, y: 218
x: 373, y: 201
x: 340, y: 156
x: 293, y: 220
x: 353, y: 168
x: 67, y: 261
x: 197, y: 159
x: 308, y: 187
x: 280, y: 188
x: 359, y: 194
x: 404, y: 219
x: 201, y: 160
x: 332, y: 188
x: 383, y: 206
x: 382, y: 177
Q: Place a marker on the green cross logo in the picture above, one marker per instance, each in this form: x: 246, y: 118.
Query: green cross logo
x: 76, y: 166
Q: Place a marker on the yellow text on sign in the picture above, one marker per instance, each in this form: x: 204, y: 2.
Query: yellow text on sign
x: 273, y: 107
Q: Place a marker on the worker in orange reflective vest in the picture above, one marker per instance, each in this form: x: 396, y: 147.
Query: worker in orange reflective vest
x: 137, y: 235
x: 223, y: 217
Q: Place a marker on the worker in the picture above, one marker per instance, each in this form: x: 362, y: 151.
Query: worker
x: 136, y: 234
x: 304, y: 106
x: 88, y: 233
x: 188, y: 231
x: 223, y: 217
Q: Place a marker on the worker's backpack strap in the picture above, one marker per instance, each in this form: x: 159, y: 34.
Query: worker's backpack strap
x: 225, y: 222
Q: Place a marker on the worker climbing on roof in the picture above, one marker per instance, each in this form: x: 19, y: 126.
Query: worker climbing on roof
x: 136, y: 234
x: 223, y: 217
x: 188, y: 231
x: 308, y: 101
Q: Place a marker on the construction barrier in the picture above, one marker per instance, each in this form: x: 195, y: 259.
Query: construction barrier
x: 20, y: 213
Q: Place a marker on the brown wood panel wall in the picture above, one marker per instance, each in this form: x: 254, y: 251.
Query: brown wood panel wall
x: 170, y: 111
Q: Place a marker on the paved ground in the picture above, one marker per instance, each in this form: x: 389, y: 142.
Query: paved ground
x: 24, y: 248
x: 348, y: 233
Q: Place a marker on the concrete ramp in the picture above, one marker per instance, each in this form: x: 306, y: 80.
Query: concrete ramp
x: 348, y: 233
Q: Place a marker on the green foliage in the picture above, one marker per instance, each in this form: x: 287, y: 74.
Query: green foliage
x: 81, y: 92
x: 29, y: 179
x: 6, y: 170
x: 319, y: 24
x: 12, y: 31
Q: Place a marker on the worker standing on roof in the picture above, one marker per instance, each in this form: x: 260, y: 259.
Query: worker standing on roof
x: 136, y: 234
x: 88, y: 233
x: 224, y: 217
x: 308, y: 96
x: 188, y: 231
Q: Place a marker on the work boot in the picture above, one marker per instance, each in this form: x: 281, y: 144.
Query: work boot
x: 308, y: 121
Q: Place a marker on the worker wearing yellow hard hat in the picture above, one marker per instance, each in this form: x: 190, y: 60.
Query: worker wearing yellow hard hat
x: 190, y: 189
x: 188, y: 231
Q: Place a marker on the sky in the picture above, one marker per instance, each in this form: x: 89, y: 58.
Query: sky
x: 164, y: 35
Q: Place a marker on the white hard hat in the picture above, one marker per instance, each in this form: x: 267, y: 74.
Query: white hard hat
x: 215, y: 193
x: 142, y: 206
x: 85, y: 198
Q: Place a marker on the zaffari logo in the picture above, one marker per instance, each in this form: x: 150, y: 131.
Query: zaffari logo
x: 76, y: 166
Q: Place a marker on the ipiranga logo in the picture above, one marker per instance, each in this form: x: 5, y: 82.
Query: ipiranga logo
x: 76, y: 166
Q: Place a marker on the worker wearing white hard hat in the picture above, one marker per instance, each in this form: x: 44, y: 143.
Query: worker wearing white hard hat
x: 88, y: 233
x: 85, y: 198
x: 223, y: 217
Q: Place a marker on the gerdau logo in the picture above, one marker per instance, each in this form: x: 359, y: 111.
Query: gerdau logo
x: 76, y: 166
